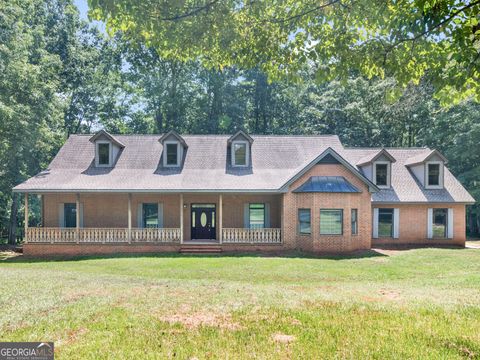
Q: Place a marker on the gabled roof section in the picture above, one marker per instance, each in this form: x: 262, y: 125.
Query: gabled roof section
x: 423, y: 157
x: 326, y: 184
x: 329, y: 151
x: 374, y: 156
x: 240, y: 133
x: 103, y: 133
x: 173, y: 133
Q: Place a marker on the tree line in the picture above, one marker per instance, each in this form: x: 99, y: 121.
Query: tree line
x: 59, y: 75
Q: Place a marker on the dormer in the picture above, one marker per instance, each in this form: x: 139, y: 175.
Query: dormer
x: 377, y: 167
x: 107, y: 149
x: 173, y: 148
x: 428, y: 168
x: 240, y: 145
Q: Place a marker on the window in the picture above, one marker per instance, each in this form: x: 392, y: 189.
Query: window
x: 239, y: 157
x: 150, y: 215
x: 385, y: 222
x: 70, y: 215
x: 331, y: 222
x: 433, y: 174
x: 103, y: 154
x: 304, y: 221
x: 257, y: 216
x: 172, y: 154
x: 439, y: 226
x: 354, y: 218
x: 381, y: 174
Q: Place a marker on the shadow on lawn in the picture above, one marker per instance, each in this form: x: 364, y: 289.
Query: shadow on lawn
x: 286, y: 255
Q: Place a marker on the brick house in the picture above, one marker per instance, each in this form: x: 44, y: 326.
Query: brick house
x: 151, y: 193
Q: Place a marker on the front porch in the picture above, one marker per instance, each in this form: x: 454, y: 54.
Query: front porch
x: 161, y: 219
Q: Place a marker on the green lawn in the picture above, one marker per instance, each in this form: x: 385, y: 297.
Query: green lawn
x: 421, y: 303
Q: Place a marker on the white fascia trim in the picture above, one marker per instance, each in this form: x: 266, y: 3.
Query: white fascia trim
x: 165, y: 153
x: 247, y: 152
x: 389, y: 174
x: 97, y: 154
x: 440, y: 180
x: 153, y: 191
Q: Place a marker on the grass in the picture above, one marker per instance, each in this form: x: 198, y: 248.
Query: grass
x: 422, y: 303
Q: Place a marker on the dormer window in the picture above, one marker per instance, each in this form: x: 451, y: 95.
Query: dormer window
x: 239, y: 153
x: 172, y: 158
x: 381, y: 174
x: 240, y: 145
x: 103, y: 154
x: 107, y: 149
x: 434, y: 175
x: 174, y: 147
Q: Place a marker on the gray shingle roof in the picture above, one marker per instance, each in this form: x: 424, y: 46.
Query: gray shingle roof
x: 275, y: 160
x: 404, y: 185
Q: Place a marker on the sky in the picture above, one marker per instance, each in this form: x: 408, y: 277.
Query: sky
x: 83, y: 9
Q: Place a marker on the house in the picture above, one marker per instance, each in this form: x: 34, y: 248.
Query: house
x: 150, y: 193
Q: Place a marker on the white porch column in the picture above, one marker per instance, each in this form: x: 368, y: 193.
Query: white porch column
x: 77, y: 220
x: 129, y: 218
x: 220, y: 218
x: 26, y: 217
x: 181, y: 218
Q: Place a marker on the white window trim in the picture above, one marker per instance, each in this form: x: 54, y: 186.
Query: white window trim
x: 165, y: 153
x: 97, y: 153
x: 440, y: 180
x: 389, y: 172
x: 247, y: 153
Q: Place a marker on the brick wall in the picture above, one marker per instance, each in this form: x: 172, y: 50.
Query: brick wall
x: 413, y: 225
x: 316, y: 201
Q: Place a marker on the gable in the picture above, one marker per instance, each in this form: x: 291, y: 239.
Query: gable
x: 328, y: 159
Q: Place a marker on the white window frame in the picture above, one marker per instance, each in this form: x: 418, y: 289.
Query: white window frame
x: 389, y: 173
x: 165, y: 153
x: 97, y: 153
x: 440, y: 180
x: 247, y: 153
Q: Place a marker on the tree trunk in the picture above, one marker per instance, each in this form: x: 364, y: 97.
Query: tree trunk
x: 12, y: 226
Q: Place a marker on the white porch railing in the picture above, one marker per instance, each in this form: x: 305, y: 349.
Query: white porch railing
x: 167, y: 235
x: 251, y: 236
x: 101, y: 235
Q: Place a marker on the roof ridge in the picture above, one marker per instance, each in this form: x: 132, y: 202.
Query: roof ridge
x: 387, y: 148
x: 225, y: 135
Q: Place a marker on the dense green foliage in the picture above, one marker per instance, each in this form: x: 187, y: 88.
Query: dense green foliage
x: 405, y: 39
x: 59, y: 75
x: 416, y: 304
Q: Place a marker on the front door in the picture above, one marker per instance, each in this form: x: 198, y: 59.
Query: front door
x: 203, y: 221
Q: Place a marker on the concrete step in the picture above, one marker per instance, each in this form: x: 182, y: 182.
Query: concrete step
x: 200, y: 249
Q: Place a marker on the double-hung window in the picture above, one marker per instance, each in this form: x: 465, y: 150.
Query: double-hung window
x: 385, y: 222
x: 256, y: 213
x: 239, y: 153
x: 382, y: 174
x: 304, y: 222
x: 103, y: 154
x: 331, y: 222
x: 434, y: 175
x: 354, y: 221
x: 439, y: 226
x: 172, y: 154
x: 150, y: 215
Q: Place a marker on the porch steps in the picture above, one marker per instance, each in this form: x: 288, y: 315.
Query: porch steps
x: 200, y: 249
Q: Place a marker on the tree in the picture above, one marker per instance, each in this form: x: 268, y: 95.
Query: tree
x: 406, y: 40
